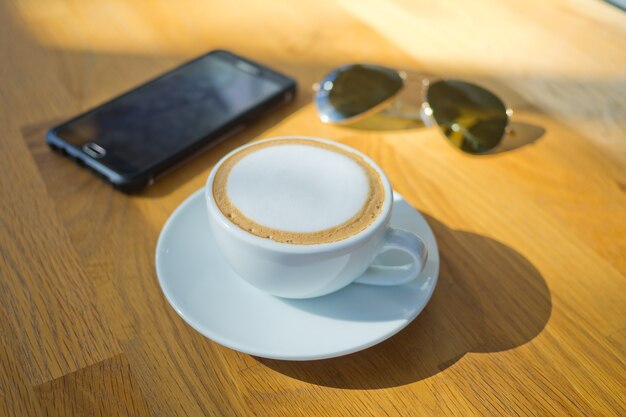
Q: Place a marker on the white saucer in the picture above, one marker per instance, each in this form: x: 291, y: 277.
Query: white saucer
x: 213, y: 300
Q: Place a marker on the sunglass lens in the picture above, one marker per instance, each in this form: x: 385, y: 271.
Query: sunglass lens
x: 352, y: 90
x: 472, y: 118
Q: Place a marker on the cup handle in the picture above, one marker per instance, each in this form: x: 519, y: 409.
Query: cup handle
x: 391, y: 275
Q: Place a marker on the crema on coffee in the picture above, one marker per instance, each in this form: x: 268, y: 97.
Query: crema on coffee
x: 298, y: 191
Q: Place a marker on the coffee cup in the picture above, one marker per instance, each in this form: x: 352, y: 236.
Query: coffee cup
x: 301, y: 217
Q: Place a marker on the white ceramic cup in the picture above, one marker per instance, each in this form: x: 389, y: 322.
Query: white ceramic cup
x: 305, y: 271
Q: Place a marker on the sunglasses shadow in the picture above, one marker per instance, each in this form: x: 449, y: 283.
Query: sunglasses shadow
x: 521, y: 133
x: 383, y: 121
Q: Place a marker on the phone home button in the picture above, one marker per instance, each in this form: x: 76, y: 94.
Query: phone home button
x: 94, y: 150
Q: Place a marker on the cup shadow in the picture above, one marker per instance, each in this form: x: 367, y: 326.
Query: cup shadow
x: 489, y: 298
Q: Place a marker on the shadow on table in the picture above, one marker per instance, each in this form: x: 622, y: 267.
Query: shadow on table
x: 521, y: 133
x: 489, y: 298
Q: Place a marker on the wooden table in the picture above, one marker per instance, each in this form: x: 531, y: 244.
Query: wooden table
x: 529, y: 315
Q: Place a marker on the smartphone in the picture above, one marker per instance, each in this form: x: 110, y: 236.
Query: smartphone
x: 133, y: 139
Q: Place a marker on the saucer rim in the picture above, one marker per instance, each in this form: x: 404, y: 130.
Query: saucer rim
x: 255, y: 351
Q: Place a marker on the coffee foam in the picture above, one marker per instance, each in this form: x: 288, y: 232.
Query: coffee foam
x: 298, y: 191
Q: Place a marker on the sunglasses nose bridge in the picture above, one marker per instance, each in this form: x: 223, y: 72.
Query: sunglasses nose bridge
x: 426, y: 113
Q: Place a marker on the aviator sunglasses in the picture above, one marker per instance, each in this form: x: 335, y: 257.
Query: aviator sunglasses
x: 472, y: 118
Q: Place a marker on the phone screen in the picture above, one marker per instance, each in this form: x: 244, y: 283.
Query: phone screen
x: 149, y: 124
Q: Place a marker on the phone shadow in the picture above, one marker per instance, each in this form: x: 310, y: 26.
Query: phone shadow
x: 103, y: 81
x: 489, y: 298
x: 34, y: 135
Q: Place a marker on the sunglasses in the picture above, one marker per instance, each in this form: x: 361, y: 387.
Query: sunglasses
x: 472, y: 118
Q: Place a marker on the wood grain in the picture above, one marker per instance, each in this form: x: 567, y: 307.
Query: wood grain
x: 529, y: 314
x: 106, y: 388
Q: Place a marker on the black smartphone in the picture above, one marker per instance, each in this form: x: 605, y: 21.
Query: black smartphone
x: 136, y: 137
